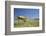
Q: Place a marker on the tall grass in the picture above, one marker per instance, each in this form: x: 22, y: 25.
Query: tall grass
x: 28, y: 23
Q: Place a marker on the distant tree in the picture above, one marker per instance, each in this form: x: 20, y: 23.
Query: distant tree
x: 23, y: 18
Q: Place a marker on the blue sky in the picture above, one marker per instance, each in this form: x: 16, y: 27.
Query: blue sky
x: 30, y: 13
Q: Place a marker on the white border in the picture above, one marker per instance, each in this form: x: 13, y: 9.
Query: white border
x: 26, y: 28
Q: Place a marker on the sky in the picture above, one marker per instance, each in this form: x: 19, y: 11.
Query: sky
x: 30, y: 13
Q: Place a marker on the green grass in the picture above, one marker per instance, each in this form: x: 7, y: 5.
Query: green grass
x: 28, y: 23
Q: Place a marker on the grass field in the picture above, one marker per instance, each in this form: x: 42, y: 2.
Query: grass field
x: 26, y: 17
x: 28, y: 23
